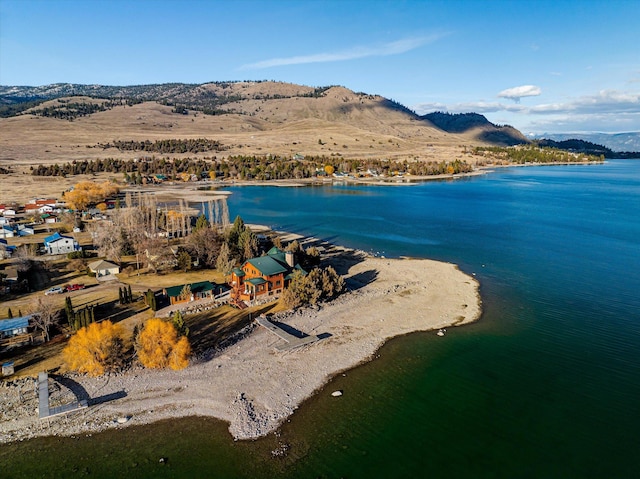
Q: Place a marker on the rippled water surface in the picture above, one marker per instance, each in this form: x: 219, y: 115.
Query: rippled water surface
x: 547, y: 384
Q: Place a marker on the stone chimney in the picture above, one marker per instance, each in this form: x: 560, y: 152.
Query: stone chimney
x: 290, y: 258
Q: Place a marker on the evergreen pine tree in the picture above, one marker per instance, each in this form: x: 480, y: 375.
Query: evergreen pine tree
x: 9, y: 314
x: 130, y: 295
x: 68, y: 309
x: 178, y: 323
x: 120, y: 296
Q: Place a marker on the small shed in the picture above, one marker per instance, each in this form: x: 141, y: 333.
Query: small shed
x: 11, y: 273
x: 7, y: 368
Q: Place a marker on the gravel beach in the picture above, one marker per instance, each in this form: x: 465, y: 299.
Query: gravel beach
x: 250, y: 384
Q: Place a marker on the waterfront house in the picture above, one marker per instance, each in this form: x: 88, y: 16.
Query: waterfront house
x: 264, y: 276
x: 186, y: 293
x: 60, y: 244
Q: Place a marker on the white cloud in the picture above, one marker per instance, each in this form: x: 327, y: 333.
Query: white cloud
x: 604, y: 102
x: 518, y: 92
x: 385, y: 49
x: 607, y: 110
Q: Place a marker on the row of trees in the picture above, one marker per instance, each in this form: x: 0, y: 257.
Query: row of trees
x: 247, y: 167
x: 196, y: 145
x: 534, y: 154
x: 125, y: 296
x: 72, y: 110
x: 101, y: 347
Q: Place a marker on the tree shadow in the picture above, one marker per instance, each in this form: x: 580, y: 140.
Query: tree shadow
x: 343, y: 261
x: 360, y: 280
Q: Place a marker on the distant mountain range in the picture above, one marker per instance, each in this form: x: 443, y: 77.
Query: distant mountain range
x: 615, y: 141
x: 264, y: 100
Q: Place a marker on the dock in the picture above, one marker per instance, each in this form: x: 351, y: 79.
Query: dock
x: 291, y: 341
x: 44, y: 410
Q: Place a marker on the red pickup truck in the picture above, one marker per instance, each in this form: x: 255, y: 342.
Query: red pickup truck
x: 73, y: 287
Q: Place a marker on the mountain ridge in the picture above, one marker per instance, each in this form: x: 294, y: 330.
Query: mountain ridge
x: 267, y: 104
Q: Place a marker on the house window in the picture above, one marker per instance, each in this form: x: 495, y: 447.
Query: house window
x: 278, y: 283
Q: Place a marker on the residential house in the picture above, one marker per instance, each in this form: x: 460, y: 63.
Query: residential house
x: 14, y: 326
x: 6, y: 232
x: 104, y: 269
x: 5, y: 250
x: 24, y: 230
x: 31, y: 209
x: 59, y: 244
x: 18, y: 331
x: 48, y: 218
x: 264, y: 276
x: 195, y: 291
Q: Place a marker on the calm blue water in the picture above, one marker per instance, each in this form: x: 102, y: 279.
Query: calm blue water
x: 546, y: 385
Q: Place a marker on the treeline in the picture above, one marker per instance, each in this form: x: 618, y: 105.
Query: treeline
x: 67, y: 110
x: 587, y: 147
x: 535, y: 154
x: 7, y: 111
x: 251, y: 167
x: 197, y: 145
x: 153, y: 166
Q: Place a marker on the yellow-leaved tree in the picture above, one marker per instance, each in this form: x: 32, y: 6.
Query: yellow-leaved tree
x: 86, y: 193
x: 159, y: 346
x: 96, y: 349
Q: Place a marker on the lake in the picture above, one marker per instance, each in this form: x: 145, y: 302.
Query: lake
x: 546, y: 384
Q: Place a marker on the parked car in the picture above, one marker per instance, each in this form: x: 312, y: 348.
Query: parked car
x: 54, y: 290
x: 73, y: 287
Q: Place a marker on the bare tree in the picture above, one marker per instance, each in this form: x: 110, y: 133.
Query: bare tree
x: 25, y: 256
x: 45, y: 314
x: 108, y: 239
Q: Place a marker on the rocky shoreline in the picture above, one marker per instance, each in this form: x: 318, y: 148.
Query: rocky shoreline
x: 249, y: 383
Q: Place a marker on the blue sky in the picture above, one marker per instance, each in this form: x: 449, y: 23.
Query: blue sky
x: 541, y: 66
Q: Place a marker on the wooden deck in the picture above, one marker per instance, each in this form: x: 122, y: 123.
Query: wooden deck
x: 291, y: 341
x: 44, y: 410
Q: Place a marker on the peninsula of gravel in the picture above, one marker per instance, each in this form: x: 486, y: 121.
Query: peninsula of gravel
x: 250, y: 383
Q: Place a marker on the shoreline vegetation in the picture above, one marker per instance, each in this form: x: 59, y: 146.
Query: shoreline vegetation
x: 249, y: 383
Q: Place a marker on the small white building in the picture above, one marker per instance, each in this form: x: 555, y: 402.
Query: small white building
x: 104, y: 268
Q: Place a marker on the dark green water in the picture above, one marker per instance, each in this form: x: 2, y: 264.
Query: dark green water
x: 546, y: 385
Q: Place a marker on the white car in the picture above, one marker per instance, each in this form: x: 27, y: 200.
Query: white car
x: 54, y: 290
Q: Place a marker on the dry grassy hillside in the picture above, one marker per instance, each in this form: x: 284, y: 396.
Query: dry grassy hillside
x: 338, y: 122
x: 261, y: 118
